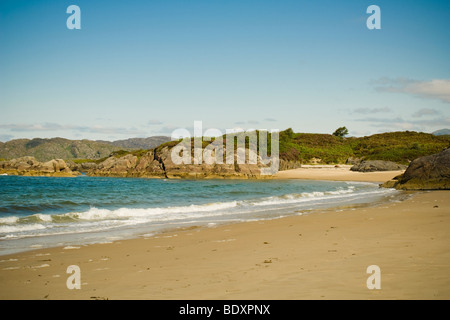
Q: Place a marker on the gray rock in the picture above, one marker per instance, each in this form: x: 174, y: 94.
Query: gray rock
x: 30, y: 166
x: 377, y: 165
x: 427, y: 173
x: 353, y: 160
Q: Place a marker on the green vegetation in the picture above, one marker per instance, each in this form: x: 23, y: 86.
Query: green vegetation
x: 55, y: 148
x: 303, y: 147
x: 400, y: 147
x: 59, y: 148
x: 341, y: 132
x: 80, y: 161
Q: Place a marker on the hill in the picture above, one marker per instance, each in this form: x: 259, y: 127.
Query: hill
x: 295, y: 148
x: 55, y: 148
x: 60, y: 148
x: 400, y: 147
x: 441, y: 132
x: 139, y: 143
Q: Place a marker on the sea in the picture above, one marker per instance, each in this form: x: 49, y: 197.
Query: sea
x: 42, y: 212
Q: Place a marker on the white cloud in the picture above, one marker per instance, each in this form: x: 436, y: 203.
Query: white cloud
x: 425, y: 112
x: 397, y: 123
x: 435, y: 89
x: 371, y: 110
x: 154, y: 122
x: 48, y: 127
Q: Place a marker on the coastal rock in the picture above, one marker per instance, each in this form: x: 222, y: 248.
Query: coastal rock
x: 82, y: 167
x: 427, y: 173
x: 29, y: 166
x: 377, y: 165
x: 289, y: 164
x: 20, y: 164
x: 158, y: 163
x: 149, y: 167
x: 129, y: 166
x: 116, y: 167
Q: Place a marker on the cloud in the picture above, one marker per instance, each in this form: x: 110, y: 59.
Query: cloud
x: 270, y: 119
x: 425, y: 112
x: 381, y: 120
x: 371, y: 111
x: 247, y: 122
x: 58, y: 127
x: 397, y: 123
x: 154, y: 122
x: 435, y: 89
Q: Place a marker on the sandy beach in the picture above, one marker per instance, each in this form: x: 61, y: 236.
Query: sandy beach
x: 335, y: 173
x: 321, y: 255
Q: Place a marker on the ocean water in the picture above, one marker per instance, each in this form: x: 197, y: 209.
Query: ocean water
x: 43, y: 212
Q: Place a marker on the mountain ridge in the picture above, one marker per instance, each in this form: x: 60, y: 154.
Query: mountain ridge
x: 61, y: 148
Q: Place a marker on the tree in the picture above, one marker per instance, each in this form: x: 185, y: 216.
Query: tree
x: 341, y: 132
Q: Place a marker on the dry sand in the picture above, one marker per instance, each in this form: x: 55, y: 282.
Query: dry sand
x: 340, y: 173
x: 322, y: 255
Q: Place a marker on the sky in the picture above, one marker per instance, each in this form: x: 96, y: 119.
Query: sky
x: 145, y: 68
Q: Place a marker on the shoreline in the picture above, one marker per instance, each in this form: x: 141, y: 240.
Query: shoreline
x: 332, y: 173
x: 315, y: 173
x: 320, y: 255
x: 315, y: 256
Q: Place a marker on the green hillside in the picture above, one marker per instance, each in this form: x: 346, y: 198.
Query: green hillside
x: 400, y: 147
x: 55, y: 148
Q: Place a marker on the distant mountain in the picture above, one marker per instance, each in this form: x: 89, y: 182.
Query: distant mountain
x: 442, y: 132
x: 139, y: 143
x: 59, y: 148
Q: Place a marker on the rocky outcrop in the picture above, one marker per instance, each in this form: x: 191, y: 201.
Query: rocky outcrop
x: 129, y: 166
x: 81, y: 167
x: 29, y: 166
x: 353, y: 160
x: 158, y: 163
x: 289, y: 164
x: 377, y: 165
x: 425, y: 173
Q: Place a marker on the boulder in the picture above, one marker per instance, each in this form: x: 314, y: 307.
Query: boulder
x: 377, y: 165
x: 128, y: 166
x: 427, y: 173
x: 31, y: 167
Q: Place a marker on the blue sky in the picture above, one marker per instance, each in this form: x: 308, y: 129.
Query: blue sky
x: 143, y: 68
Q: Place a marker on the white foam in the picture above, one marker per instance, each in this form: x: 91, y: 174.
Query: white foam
x: 21, y: 228
x: 123, y: 213
x: 95, y: 219
x: 43, y: 217
x: 8, y: 220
